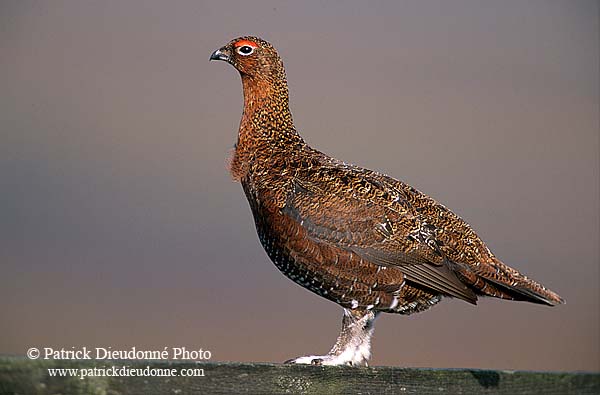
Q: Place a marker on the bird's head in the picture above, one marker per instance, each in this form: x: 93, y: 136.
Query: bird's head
x: 251, y: 56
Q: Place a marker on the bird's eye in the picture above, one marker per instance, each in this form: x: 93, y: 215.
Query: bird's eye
x: 245, y: 50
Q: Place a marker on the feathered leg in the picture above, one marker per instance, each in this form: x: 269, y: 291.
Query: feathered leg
x: 353, y: 345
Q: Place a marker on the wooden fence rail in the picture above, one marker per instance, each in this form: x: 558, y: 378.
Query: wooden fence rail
x: 23, y: 376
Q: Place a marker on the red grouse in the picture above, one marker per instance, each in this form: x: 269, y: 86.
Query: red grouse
x: 359, y: 238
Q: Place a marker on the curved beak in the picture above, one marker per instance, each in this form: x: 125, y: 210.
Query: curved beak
x: 219, y: 54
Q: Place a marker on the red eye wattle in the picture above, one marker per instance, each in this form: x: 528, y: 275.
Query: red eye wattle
x: 246, y: 42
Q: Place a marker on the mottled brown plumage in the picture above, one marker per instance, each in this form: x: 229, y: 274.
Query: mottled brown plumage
x: 354, y: 236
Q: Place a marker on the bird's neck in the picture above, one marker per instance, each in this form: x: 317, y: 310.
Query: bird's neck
x: 266, y: 124
x: 266, y: 106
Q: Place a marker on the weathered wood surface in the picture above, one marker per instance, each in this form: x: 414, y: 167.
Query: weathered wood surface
x: 22, y: 376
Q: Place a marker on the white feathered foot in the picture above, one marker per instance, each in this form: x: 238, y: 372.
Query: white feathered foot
x: 353, y: 345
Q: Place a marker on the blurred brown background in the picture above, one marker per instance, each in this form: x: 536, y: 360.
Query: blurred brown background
x: 121, y: 227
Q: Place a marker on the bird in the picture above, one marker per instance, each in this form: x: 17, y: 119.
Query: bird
x: 357, y: 237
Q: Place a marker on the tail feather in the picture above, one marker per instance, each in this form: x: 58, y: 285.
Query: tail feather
x: 499, y: 280
x: 532, y: 292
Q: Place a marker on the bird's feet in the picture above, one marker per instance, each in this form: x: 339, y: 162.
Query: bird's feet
x: 355, y: 357
x: 353, y: 345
